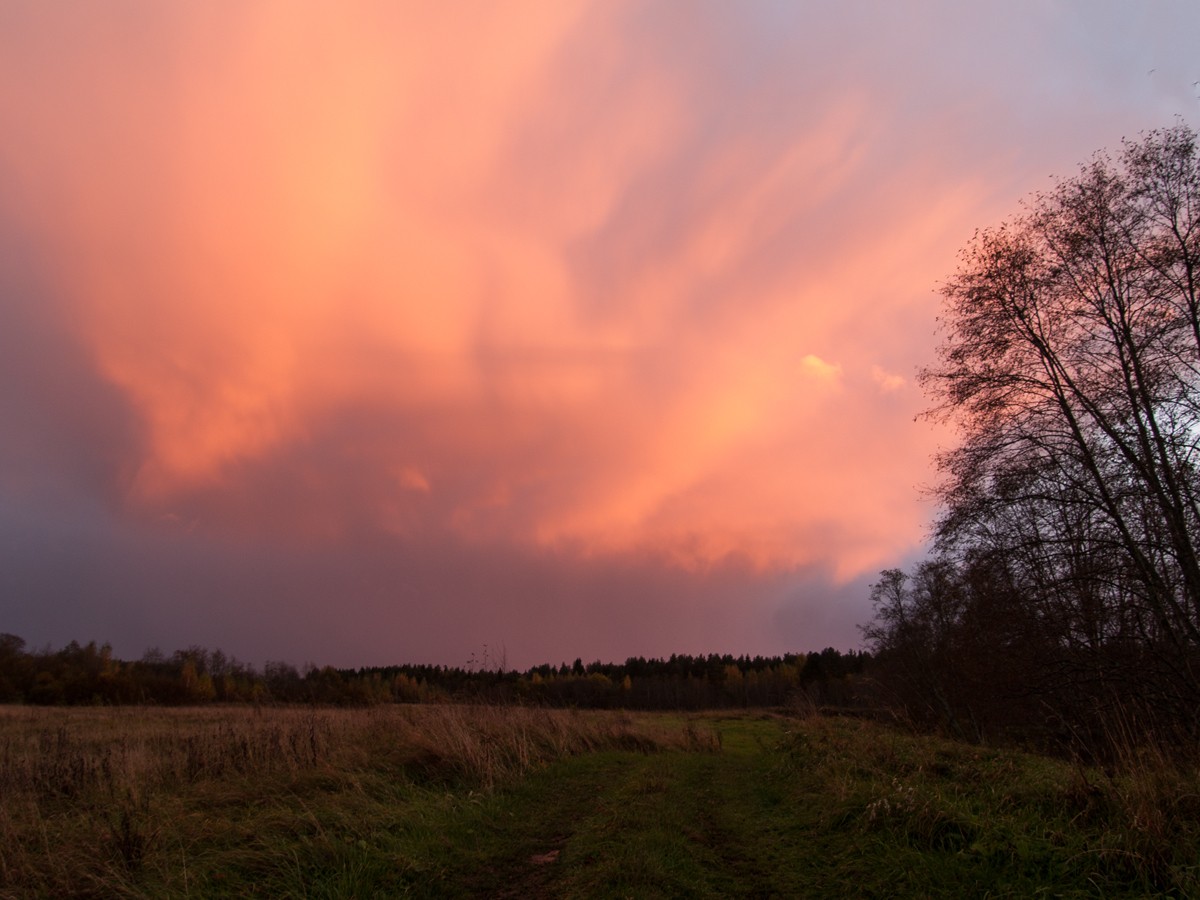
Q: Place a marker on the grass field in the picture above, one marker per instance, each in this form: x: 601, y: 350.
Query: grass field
x: 509, y: 802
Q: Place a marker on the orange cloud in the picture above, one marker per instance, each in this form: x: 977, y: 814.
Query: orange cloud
x: 486, y: 273
x: 887, y: 381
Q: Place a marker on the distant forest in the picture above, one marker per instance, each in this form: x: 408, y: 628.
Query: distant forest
x: 90, y: 674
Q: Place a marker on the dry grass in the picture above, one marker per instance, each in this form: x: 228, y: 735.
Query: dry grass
x: 490, y: 745
x: 1150, y: 792
x: 92, y: 795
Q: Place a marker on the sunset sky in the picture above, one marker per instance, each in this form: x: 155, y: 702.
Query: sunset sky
x: 362, y: 333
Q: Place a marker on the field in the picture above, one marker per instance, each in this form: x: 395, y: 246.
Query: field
x: 454, y: 801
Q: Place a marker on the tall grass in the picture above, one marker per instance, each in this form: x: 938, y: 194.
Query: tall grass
x: 91, y: 797
x: 491, y: 745
x: 1149, y: 794
x: 1022, y: 818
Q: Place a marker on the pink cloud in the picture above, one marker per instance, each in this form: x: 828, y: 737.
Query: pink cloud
x: 412, y: 235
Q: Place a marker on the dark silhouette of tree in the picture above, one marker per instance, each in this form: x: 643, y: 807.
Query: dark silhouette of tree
x: 1069, y: 367
x: 14, y: 668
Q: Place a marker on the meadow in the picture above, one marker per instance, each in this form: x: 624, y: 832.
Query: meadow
x: 492, y: 801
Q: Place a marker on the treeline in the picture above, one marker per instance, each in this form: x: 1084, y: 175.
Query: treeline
x: 828, y: 678
x: 1063, y: 599
x: 90, y: 674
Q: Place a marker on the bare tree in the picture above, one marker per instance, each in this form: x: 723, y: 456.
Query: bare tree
x: 1070, y: 366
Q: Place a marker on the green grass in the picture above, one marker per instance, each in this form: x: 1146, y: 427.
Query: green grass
x: 488, y: 803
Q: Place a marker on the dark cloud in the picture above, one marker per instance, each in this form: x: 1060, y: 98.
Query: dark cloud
x: 379, y: 600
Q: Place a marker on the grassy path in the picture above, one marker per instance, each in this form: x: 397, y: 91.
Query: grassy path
x: 639, y: 825
x: 396, y: 803
x: 743, y: 822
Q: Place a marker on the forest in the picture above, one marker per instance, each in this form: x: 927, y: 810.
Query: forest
x: 90, y: 675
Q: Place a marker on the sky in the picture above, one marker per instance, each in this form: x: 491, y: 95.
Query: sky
x: 362, y: 333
